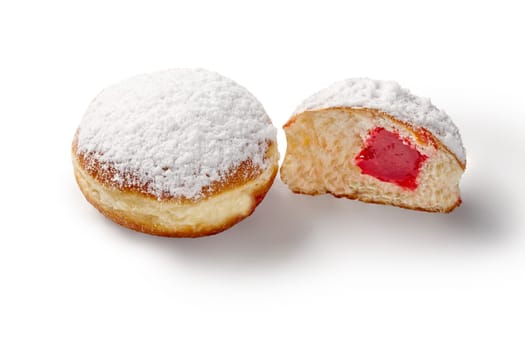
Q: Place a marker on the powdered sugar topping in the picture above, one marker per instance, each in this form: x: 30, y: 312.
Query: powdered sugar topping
x: 176, y: 131
x: 390, y: 97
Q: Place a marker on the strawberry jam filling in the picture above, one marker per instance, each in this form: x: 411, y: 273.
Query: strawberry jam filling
x: 389, y: 157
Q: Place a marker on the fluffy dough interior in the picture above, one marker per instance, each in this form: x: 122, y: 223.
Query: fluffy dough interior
x: 323, y: 144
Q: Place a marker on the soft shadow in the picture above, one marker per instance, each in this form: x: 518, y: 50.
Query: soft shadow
x: 486, y: 213
x: 278, y: 228
x: 485, y: 216
x: 285, y: 223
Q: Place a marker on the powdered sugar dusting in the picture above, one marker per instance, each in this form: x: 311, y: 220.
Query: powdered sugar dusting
x: 390, y: 97
x: 176, y: 131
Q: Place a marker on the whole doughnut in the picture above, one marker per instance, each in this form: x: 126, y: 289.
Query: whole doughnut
x: 180, y: 153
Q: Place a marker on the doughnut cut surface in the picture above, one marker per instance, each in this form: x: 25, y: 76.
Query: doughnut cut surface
x: 325, y: 150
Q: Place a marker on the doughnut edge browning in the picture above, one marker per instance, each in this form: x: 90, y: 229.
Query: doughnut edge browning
x: 175, y: 218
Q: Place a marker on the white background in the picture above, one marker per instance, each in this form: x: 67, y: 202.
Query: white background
x: 302, y: 272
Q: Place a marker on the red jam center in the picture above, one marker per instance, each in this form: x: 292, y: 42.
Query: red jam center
x: 390, y: 158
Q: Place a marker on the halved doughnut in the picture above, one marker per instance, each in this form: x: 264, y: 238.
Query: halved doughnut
x: 375, y: 142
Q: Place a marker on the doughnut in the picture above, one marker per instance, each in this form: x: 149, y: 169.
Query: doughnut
x: 374, y: 141
x: 179, y: 153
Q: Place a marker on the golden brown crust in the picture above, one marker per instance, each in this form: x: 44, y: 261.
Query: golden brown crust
x: 364, y: 200
x: 244, y: 172
x: 237, y: 191
x: 180, y: 233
